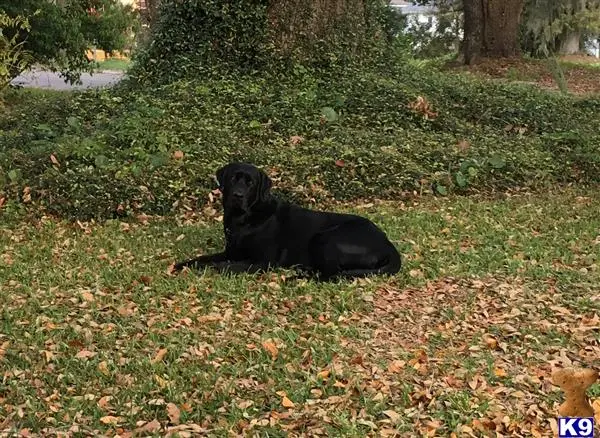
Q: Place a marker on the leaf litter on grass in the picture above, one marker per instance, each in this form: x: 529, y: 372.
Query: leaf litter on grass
x: 102, y: 347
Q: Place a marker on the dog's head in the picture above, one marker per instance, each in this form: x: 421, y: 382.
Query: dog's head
x: 243, y: 185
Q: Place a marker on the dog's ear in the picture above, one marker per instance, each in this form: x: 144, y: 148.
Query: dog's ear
x: 264, y: 185
x: 222, y: 175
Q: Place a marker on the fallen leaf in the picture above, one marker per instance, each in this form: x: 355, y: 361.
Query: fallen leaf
x: 340, y: 163
x: 500, y: 372
x: 396, y: 366
x: 109, y: 419
x: 103, y: 368
x: 178, y: 155
x: 3, y: 348
x: 48, y: 355
x: 173, y: 412
x: 103, y: 402
x: 245, y: 404
x: 54, y: 160
x: 159, y: 355
x: 171, y: 269
x: 85, y: 354
x: 416, y: 273
x: 287, y: 403
x: 270, y: 346
x: 463, y: 145
x: 324, y: 374
x: 357, y: 360
x: 151, y: 427
x: 490, y: 342
x: 27, y: 194
x: 392, y: 415
x: 295, y: 139
x: 88, y: 296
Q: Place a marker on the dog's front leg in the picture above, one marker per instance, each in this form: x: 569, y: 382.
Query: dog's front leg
x: 202, y: 262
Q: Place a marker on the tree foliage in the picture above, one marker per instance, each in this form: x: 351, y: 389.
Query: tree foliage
x: 546, y: 26
x: 61, y: 32
x: 13, y: 57
x: 549, y: 23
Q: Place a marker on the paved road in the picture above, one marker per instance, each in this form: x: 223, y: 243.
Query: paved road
x: 49, y: 80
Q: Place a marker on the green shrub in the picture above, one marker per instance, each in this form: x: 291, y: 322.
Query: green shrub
x: 347, y: 133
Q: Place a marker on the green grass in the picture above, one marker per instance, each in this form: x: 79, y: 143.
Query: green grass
x: 86, y: 309
x: 114, y: 64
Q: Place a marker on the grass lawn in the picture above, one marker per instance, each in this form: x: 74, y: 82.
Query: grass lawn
x: 114, y: 64
x: 97, y: 338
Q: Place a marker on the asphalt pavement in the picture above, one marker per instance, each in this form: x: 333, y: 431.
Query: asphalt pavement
x: 53, y: 81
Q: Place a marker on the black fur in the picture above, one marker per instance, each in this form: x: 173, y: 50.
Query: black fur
x: 262, y: 232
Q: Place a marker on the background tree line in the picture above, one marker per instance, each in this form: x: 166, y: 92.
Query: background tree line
x: 56, y: 34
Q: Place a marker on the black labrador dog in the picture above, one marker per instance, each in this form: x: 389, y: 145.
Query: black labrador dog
x: 262, y: 232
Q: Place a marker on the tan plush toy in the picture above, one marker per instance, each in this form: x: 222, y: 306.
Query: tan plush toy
x: 575, y: 382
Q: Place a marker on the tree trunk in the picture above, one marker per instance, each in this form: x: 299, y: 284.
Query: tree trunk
x: 491, y: 28
x: 570, y: 43
x: 473, y: 30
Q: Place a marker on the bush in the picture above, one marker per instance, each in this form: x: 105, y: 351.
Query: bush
x: 347, y: 133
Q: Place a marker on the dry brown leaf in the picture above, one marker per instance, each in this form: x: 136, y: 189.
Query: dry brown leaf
x: 295, y: 139
x: 392, y: 415
x: 422, y: 106
x: 110, y: 419
x: 173, y: 412
x: 171, y: 269
x: 463, y: 145
x: 245, y: 404
x: 340, y: 163
x: 88, y: 296
x: 3, y: 348
x: 54, y: 160
x: 85, y: 354
x: 150, y: 427
x: 27, y: 194
x: 500, y: 372
x: 490, y: 342
x: 103, y: 368
x: 324, y: 374
x: 270, y: 346
x: 103, y: 402
x: 178, y: 155
x: 287, y: 403
x: 357, y: 360
x: 159, y: 355
x: 48, y: 355
x: 416, y: 273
